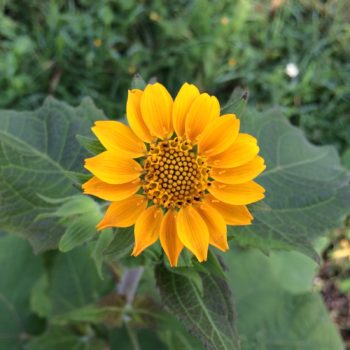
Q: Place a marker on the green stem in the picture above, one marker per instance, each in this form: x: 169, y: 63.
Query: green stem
x: 127, y: 287
x: 133, y: 337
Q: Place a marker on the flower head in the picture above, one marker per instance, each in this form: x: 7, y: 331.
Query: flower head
x: 180, y: 172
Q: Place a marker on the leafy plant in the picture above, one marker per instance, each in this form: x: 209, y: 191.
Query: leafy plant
x: 86, y: 48
x: 96, y: 295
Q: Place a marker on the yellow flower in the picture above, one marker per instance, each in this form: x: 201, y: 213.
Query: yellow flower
x: 180, y: 172
x: 232, y: 62
x: 224, y: 20
x: 154, y: 16
x: 97, y: 42
x: 342, y: 252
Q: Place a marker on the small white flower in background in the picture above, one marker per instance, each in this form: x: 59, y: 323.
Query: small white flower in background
x: 292, y: 70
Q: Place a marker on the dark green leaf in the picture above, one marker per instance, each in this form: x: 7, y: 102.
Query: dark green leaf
x: 103, y: 241
x: 212, y: 265
x: 91, y: 145
x: 74, y: 282
x: 78, y: 178
x: 307, y: 190
x: 209, y: 316
x: 173, y: 333
x: 19, y: 271
x: 122, y: 243
x: 120, y: 339
x: 40, y: 302
x: 37, y: 149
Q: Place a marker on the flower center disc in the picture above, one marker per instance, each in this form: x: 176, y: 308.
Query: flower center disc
x: 175, y: 175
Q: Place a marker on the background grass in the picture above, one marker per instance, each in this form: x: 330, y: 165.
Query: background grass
x: 75, y: 48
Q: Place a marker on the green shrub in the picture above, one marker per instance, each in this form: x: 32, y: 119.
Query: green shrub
x: 76, y: 48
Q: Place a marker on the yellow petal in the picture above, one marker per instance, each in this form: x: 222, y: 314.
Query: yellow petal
x: 245, y: 193
x: 116, y: 136
x: 109, y: 192
x: 193, y: 232
x: 203, y: 110
x: 111, y: 168
x: 232, y: 214
x: 240, y: 174
x: 134, y: 116
x: 147, y: 229
x: 219, y: 135
x: 243, y: 150
x: 182, y: 104
x: 216, y: 225
x: 156, y: 108
x: 169, y: 240
x: 123, y: 213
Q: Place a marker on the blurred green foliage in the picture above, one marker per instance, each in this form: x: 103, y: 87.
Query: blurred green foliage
x: 71, y: 48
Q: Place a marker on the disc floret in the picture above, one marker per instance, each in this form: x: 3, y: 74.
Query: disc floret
x: 175, y: 175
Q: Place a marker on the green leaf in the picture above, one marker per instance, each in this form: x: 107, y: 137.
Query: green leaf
x: 78, y: 178
x: 346, y: 158
x: 93, y: 314
x: 307, y: 189
x: 74, y: 282
x: 120, y: 339
x: 211, y: 265
x: 294, y: 271
x: 92, y: 145
x: 103, y: 241
x: 209, y: 316
x: 40, y: 302
x: 70, y: 206
x: 37, y: 150
x: 174, y: 335
x: 271, y: 313
x: 236, y: 103
x: 58, y: 338
x: 138, y: 82
x: 19, y: 271
x: 80, y: 230
x: 121, y: 245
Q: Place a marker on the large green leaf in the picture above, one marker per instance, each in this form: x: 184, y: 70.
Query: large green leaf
x: 206, y: 312
x: 19, y: 270
x: 307, y: 189
x: 271, y: 314
x: 36, y: 151
x: 74, y: 281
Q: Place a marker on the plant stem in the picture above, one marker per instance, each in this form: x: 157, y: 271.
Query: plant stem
x: 129, y: 283
x: 133, y: 337
x: 127, y: 287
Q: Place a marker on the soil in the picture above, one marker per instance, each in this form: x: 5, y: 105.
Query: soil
x: 338, y: 303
